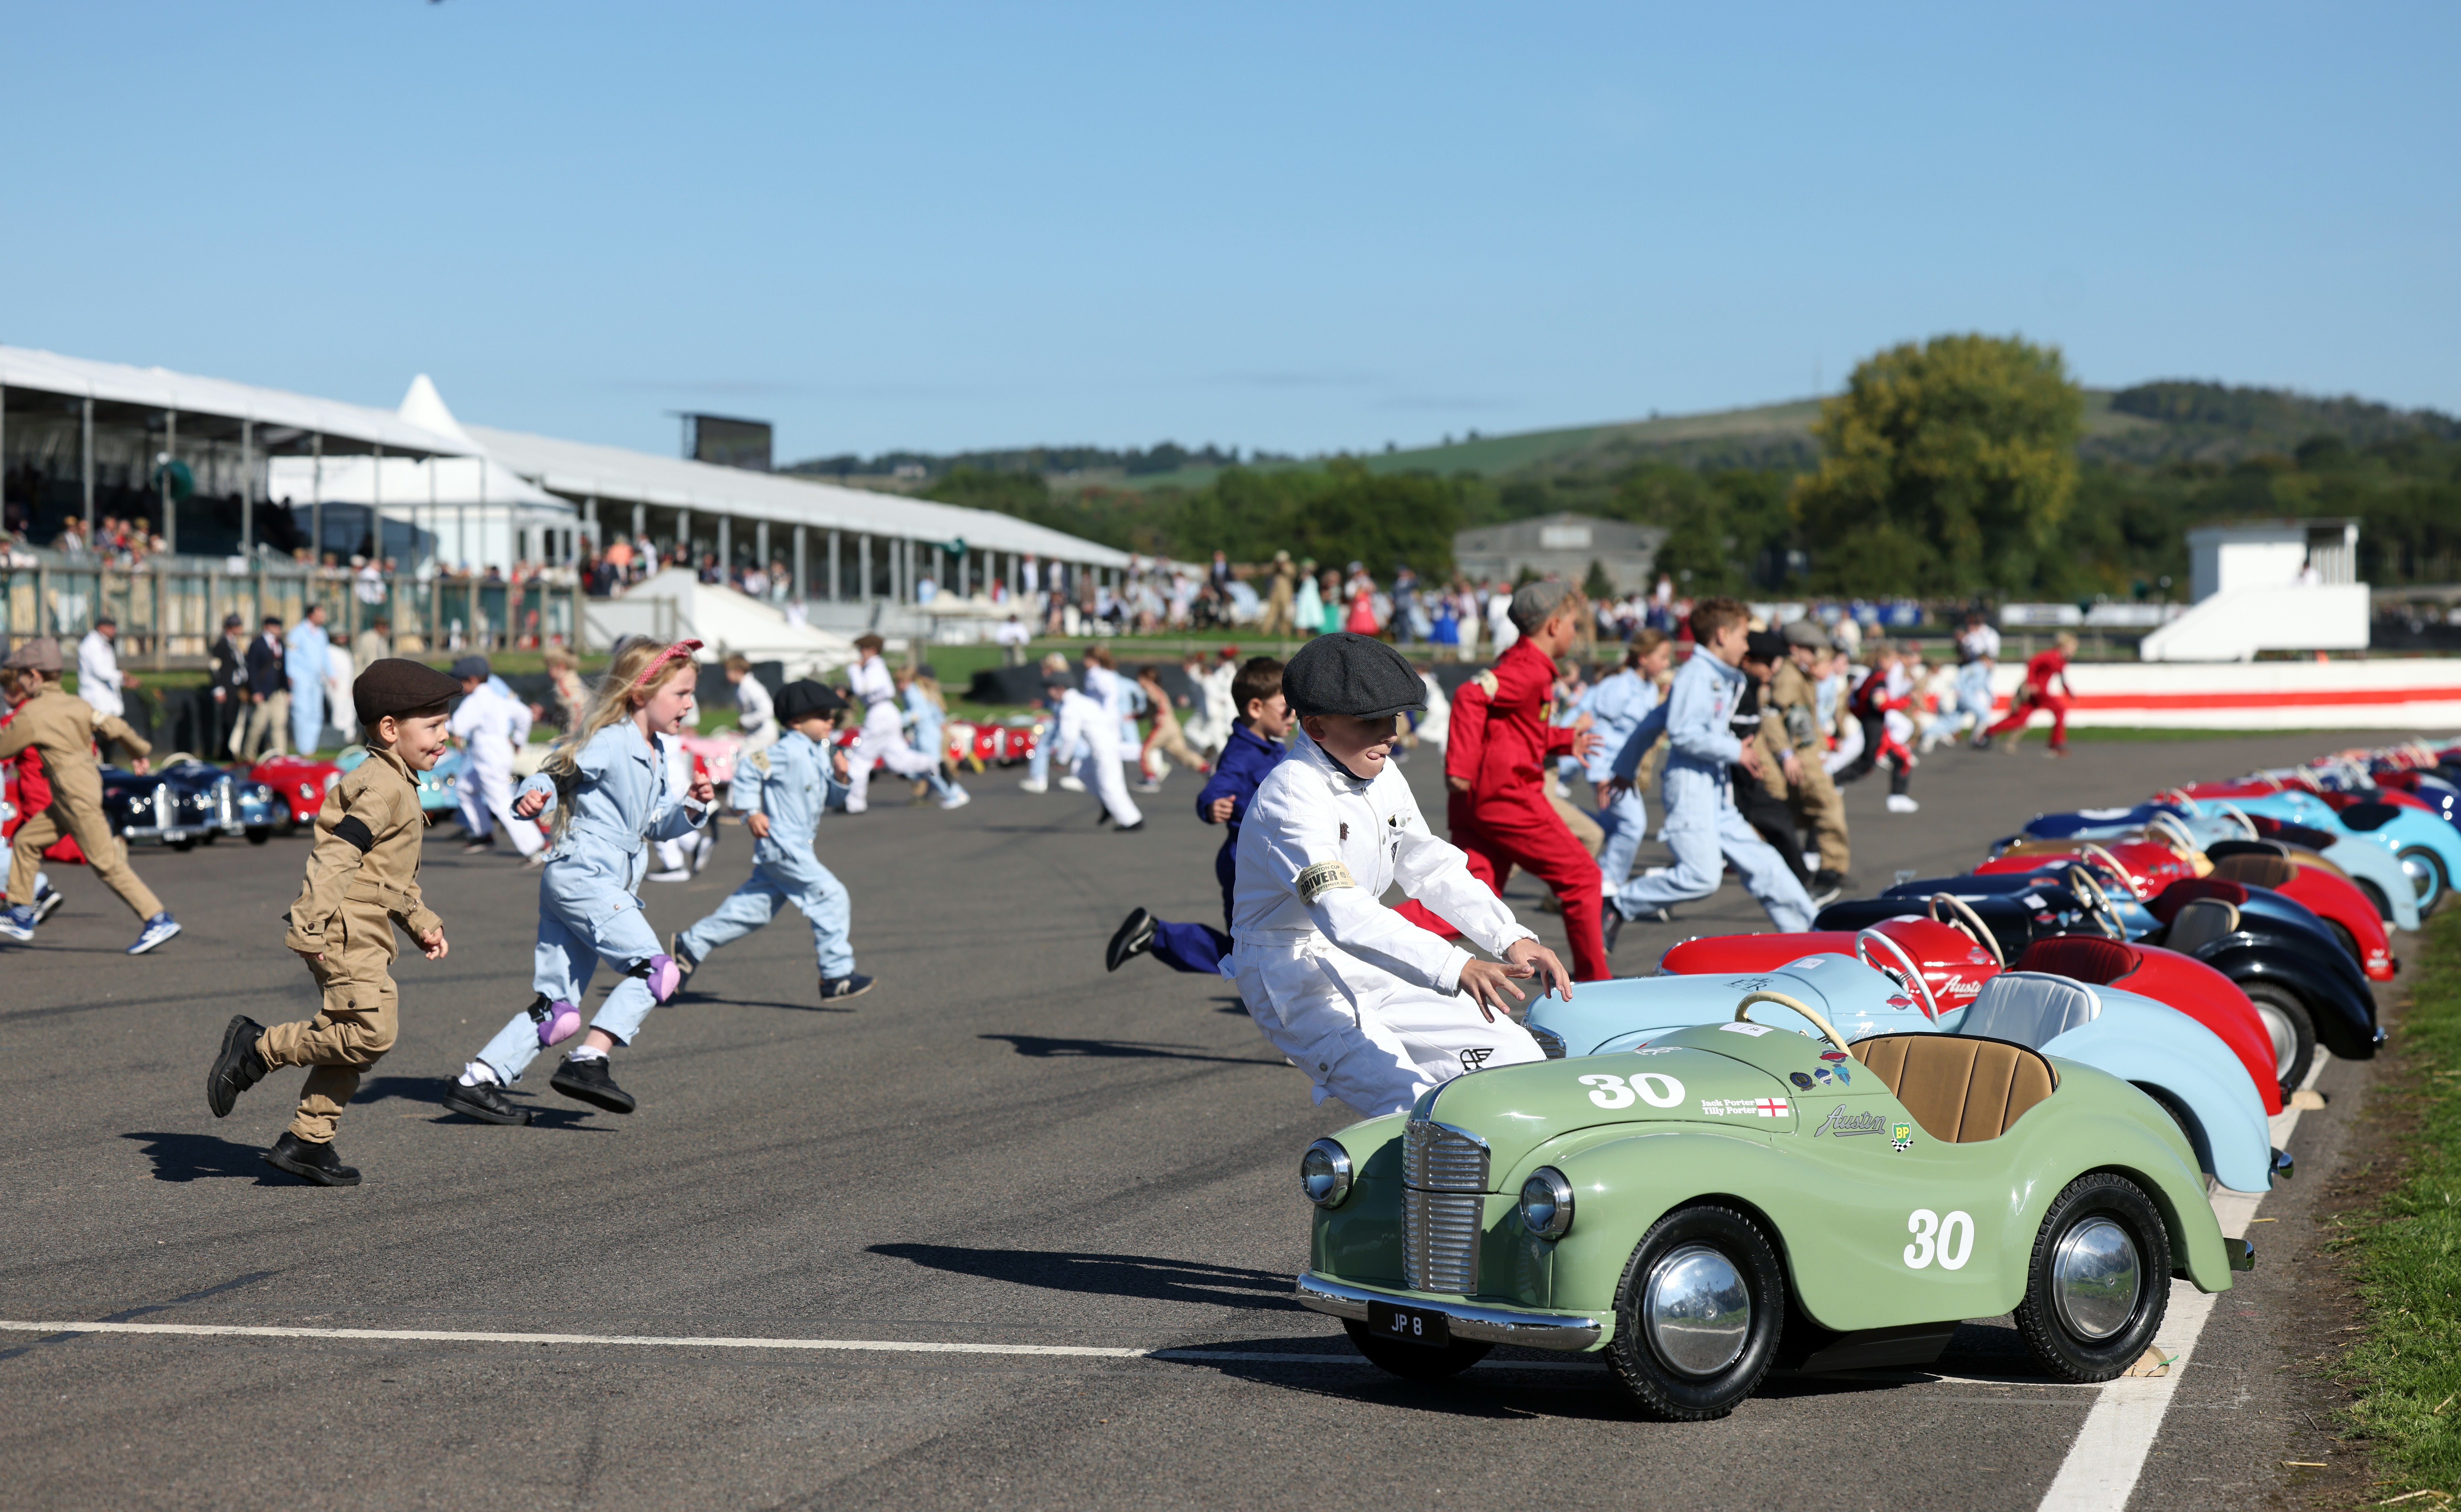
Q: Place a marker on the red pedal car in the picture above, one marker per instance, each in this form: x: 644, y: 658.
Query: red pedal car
x: 299, y: 782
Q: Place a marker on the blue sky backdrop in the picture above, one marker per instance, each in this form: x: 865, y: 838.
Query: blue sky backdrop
x: 1299, y: 227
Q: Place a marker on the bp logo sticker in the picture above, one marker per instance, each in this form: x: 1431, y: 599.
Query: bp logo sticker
x: 1901, y: 1136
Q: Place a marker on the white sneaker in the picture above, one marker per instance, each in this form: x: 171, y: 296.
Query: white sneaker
x: 1902, y: 804
x: 1070, y: 784
x: 1032, y: 786
x: 678, y: 875
x: 958, y: 797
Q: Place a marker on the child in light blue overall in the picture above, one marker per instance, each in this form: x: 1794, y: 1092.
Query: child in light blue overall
x: 1702, y: 821
x: 1615, y: 706
x: 782, y: 791
x: 609, y: 785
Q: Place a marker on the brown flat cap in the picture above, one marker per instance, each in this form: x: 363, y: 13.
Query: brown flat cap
x: 398, y: 686
x: 41, y: 654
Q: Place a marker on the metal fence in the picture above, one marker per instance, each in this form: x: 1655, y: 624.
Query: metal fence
x: 169, y: 613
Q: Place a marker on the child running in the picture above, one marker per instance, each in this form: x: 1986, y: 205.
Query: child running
x: 62, y: 728
x: 2042, y: 669
x: 782, y: 791
x: 362, y: 878
x: 1702, y: 821
x: 608, y: 785
x: 1255, y: 748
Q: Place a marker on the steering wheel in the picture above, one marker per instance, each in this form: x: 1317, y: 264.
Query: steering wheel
x: 2174, y: 832
x: 1829, y: 1030
x: 1903, y: 967
x: 1971, y: 922
x: 2097, y: 903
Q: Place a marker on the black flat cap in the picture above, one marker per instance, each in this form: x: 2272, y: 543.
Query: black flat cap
x: 398, y: 686
x: 473, y: 667
x: 802, y: 698
x: 1764, y: 646
x: 1352, y: 675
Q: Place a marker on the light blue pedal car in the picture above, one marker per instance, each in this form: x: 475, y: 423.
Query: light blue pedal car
x: 2180, y: 1064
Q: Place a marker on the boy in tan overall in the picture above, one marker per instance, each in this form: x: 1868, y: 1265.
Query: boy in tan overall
x: 362, y: 878
x: 61, y: 726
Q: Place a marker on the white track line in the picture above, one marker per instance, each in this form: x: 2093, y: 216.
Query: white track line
x: 2103, y: 1465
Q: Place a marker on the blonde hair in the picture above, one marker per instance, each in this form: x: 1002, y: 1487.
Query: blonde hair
x: 611, y: 702
x: 558, y: 659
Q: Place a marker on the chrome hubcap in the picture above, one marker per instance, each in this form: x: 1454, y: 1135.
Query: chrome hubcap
x: 2095, y: 1279
x: 2286, y: 1039
x: 1697, y: 1311
x: 2421, y: 874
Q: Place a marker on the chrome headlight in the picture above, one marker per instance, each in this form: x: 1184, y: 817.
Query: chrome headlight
x: 1547, y: 1202
x: 1547, y: 1040
x: 1324, y: 1173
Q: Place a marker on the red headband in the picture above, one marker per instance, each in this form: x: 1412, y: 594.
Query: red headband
x: 679, y: 649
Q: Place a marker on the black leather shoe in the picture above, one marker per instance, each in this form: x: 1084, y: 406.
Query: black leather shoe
x: 238, y: 1068
x: 588, y: 1081
x: 1135, y: 937
x: 838, y: 989
x: 1610, y: 925
x: 486, y: 1102
x: 310, y: 1161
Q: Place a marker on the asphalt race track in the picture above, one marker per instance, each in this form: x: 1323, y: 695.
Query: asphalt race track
x: 1000, y: 1145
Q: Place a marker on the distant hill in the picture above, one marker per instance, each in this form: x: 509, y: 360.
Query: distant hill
x: 2172, y: 420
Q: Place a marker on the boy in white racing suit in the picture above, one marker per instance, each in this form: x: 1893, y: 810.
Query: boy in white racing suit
x: 1372, y: 1007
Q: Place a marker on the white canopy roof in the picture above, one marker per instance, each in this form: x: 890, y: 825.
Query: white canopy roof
x: 407, y: 482
x: 676, y: 602
x: 160, y: 388
x: 611, y: 474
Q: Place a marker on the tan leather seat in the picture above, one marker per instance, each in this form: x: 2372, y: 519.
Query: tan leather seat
x: 2199, y: 923
x: 1961, y: 1089
x: 2257, y: 871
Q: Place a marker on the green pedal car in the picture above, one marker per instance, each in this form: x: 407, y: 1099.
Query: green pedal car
x: 1733, y: 1197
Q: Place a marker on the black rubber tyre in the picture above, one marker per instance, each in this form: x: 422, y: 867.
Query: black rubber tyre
x: 1415, y: 1362
x: 2348, y: 942
x: 1675, y: 1395
x: 184, y: 844
x: 2061, y: 1349
x: 2375, y: 897
x: 2287, y: 1019
x: 2188, y: 1126
x: 2433, y: 884
x: 258, y: 833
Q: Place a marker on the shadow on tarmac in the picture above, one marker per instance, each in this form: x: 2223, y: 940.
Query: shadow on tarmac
x: 1041, y: 1047
x: 196, y: 1157
x: 1145, y: 1276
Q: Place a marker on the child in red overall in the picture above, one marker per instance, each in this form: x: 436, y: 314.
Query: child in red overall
x: 2044, y: 668
x: 1497, y: 744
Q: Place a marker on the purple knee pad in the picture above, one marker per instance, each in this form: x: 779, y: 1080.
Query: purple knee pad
x: 663, y: 975
x: 560, y: 1022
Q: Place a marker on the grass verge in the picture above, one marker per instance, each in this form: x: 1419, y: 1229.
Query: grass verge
x: 2408, y: 1250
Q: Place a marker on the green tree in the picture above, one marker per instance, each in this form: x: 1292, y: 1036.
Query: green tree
x: 1945, y: 468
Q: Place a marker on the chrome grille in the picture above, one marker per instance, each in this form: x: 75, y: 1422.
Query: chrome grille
x: 1443, y: 1173
x: 162, y: 815
x: 222, y: 801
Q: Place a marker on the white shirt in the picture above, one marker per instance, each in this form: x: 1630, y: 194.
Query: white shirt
x: 1081, y: 718
x: 1102, y: 686
x: 1013, y: 632
x: 1980, y: 641
x: 1320, y: 848
x: 872, y: 682
x: 372, y: 585
x: 754, y: 708
x: 492, y: 721
x: 99, y: 675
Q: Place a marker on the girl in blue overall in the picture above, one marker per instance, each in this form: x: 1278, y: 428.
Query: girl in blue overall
x: 608, y: 785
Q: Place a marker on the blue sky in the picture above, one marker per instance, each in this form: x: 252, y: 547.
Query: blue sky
x: 1299, y: 227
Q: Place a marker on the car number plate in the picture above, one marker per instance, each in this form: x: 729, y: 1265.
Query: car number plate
x: 1409, y: 1325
